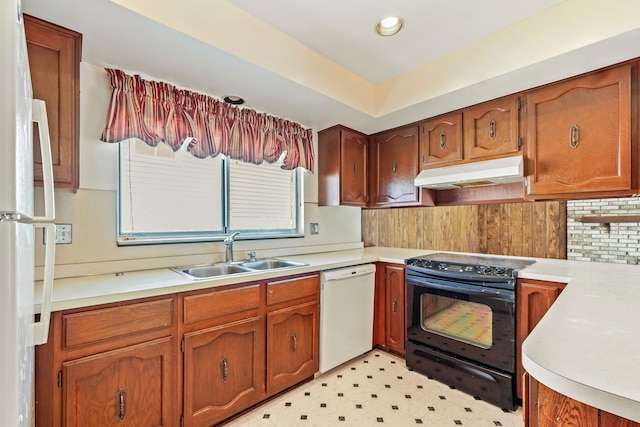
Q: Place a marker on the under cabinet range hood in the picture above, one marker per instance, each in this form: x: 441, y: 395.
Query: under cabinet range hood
x: 488, y: 172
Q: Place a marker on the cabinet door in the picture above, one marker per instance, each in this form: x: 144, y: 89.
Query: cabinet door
x: 554, y: 409
x: 579, y: 135
x: 441, y: 140
x: 129, y: 387
x: 54, y: 59
x: 342, y: 167
x: 396, y: 308
x: 534, y: 298
x: 353, y: 169
x: 223, y: 371
x: 394, y: 167
x: 292, y: 345
x: 491, y: 129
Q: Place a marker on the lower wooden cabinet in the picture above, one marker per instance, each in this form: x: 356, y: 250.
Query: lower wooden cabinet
x: 131, y: 386
x: 534, y: 298
x: 223, y: 371
x: 545, y: 407
x: 292, y: 345
x: 190, y: 359
x: 389, y: 316
x: 112, y: 365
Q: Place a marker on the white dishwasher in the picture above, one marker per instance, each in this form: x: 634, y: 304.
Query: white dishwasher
x: 346, y: 314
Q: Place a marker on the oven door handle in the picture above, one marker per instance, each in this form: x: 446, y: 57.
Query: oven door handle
x: 458, y: 287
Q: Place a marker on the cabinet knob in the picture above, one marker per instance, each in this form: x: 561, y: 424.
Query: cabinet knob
x: 574, y: 136
x: 294, y: 342
x: 492, y: 129
x: 224, y: 367
x: 443, y: 139
x: 395, y: 167
x: 121, y: 404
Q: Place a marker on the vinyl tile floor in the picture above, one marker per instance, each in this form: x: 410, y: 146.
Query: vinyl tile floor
x: 376, y: 389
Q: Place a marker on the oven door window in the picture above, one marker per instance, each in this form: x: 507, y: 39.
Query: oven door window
x: 466, y: 321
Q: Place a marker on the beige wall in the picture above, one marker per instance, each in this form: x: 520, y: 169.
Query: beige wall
x: 92, y: 209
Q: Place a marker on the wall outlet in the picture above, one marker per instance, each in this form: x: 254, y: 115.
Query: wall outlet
x: 314, y: 228
x: 63, y: 234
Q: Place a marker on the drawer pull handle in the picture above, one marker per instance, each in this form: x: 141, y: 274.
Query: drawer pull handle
x: 121, y: 404
x: 224, y: 364
x: 355, y: 168
x: 443, y: 139
x: 394, y: 306
x: 294, y: 342
x: 574, y: 136
x: 395, y: 167
x: 492, y: 129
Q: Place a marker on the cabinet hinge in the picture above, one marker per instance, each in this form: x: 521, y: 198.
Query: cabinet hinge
x: 526, y: 107
x: 519, y: 104
x: 181, y: 420
x: 59, y: 379
x: 182, y: 345
x: 519, y: 142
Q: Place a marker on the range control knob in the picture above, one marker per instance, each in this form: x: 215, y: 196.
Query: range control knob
x: 442, y: 266
x: 500, y: 271
x: 484, y: 269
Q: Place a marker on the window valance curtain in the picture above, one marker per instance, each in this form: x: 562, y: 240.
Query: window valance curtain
x: 158, y: 112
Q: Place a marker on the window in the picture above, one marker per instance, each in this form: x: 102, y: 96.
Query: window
x: 167, y: 197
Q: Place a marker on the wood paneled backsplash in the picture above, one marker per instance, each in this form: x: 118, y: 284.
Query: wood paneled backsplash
x: 535, y: 229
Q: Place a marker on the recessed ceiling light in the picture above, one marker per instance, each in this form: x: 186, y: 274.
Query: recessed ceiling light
x: 233, y: 99
x: 389, y: 26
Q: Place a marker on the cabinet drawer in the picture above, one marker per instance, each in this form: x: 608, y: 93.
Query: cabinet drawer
x: 219, y: 303
x: 292, y: 288
x: 102, y: 324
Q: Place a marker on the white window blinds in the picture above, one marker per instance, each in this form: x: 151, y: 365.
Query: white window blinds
x: 166, y: 192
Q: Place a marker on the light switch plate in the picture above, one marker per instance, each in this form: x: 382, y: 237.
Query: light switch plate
x: 314, y: 228
x: 63, y: 234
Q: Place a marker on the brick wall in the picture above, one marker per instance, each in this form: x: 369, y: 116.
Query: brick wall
x: 603, y: 242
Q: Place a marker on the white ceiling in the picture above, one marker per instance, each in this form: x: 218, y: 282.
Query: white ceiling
x: 320, y: 63
x: 343, y: 31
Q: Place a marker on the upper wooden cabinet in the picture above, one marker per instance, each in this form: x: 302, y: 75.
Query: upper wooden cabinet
x: 54, y: 60
x: 480, y: 132
x: 579, y: 136
x: 342, y: 167
x: 394, y: 166
x: 441, y: 140
x: 491, y: 129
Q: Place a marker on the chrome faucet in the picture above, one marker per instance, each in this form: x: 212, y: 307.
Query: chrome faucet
x: 228, y: 241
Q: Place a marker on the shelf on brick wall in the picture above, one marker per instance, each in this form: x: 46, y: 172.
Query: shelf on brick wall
x: 610, y: 219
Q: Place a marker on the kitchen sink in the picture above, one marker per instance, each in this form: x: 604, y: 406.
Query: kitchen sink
x: 268, y: 264
x: 200, y: 272
x: 208, y: 271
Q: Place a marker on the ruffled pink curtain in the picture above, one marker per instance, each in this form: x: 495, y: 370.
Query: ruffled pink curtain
x: 158, y: 112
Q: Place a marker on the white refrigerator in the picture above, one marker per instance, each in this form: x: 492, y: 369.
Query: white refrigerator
x: 24, y: 317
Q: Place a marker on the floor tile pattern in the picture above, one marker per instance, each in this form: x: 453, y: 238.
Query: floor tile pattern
x: 377, y: 389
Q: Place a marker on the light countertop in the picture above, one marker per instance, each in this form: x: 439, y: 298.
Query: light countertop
x: 586, y: 347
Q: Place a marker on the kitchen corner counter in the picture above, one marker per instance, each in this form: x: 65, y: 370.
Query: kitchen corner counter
x: 587, y: 346
x: 84, y: 291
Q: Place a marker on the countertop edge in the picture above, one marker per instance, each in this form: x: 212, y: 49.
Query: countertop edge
x: 615, y: 404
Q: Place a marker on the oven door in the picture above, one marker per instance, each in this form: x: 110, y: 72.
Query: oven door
x: 463, y: 319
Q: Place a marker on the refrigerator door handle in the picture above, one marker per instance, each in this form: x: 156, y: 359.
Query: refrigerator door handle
x: 39, y: 116
x: 41, y: 328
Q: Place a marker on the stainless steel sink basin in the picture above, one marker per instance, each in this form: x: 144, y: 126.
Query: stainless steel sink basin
x: 209, y: 271
x: 269, y: 264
